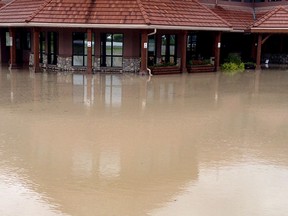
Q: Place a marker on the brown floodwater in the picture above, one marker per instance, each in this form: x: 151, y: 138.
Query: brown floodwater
x: 205, y: 144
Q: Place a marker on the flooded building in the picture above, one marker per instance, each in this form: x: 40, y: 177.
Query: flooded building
x: 139, y: 36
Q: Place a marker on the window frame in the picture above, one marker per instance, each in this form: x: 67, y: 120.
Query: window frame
x: 84, y: 47
x: 52, y: 38
x: 42, y: 46
x: 166, y: 57
x: 104, y: 56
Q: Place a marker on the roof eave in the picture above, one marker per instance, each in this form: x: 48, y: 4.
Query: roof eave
x: 195, y: 28
x: 269, y: 30
x: 115, y: 26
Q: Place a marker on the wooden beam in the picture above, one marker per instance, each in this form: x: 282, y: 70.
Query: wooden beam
x: 183, y: 47
x: 266, y: 38
x: 259, y: 47
x: 144, y: 54
x: 89, y: 51
x: 12, y: 34
x: 217, y: 48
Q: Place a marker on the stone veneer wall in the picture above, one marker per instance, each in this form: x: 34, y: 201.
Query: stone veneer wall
x: 31, y: 59
x: 131, y: 64
x: 97, y: 63
x: 65, y: 64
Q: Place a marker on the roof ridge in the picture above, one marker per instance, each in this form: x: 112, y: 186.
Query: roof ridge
x: 268, y: 15
x: 143, y: 12
x: 208, y: 9
x: 46, y: 2
x: 228, y: 14
x: 6, y: 5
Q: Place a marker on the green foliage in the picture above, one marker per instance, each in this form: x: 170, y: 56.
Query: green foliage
x: 233, y: 64
x: 229, y: 66
x: 234, y: 58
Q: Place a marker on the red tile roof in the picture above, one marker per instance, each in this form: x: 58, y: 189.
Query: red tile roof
x: 176, y: 13
x: 239, y: 18
x: 90, y: 12
x: 18, y: 10
x: 181, y: 13
x: 277, y: 18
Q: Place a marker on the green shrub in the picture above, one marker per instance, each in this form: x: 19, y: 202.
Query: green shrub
x: 233, y: 67
x: 234, y: 58
x: 233, y: 64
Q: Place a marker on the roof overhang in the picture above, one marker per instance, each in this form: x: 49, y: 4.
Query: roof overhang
x: 114, y: 26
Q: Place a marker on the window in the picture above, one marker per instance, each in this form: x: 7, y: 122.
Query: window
x: 168, y: 49
x: 111, y: 50
x: 151, y: 50
x: 52, y: 47
x: 42, y: 46
x: 191, y: 47
x: 80, y: 49
x: 27, y: 41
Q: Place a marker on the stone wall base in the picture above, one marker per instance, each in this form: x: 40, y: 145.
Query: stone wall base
x: 131, y: 65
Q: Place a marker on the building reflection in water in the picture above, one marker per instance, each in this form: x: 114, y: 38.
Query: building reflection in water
x: 113, y: 91
x: 166, y: 140
x: 87, y: 88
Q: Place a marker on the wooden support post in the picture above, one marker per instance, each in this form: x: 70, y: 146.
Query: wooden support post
x: 217, y: 47
x: 89, y: 51
x: 12, y: 34
x: 183, y: 51
x: 144, y: 54
x: 259, y: 46
x: 36, y: 48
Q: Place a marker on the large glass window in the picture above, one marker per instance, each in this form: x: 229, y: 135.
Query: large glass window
x: 42, y: 46
x: 151, y: 50
x: 52, y: 47
x: 80, y: 48
x: 111, y: 50
x: 168, y: 49
x: 191, y: 47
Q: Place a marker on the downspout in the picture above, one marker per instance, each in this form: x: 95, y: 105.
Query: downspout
x: 148, y: 69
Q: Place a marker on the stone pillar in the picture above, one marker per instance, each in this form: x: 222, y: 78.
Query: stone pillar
x: 36, y: 49
x: 217, y: 48
x: 12, y: 34
x: 259, y: 47
x: 89, y: 51
x: 144, y: 54
x: 183, y: 51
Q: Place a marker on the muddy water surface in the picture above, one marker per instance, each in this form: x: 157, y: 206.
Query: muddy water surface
x: 120, y: 145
